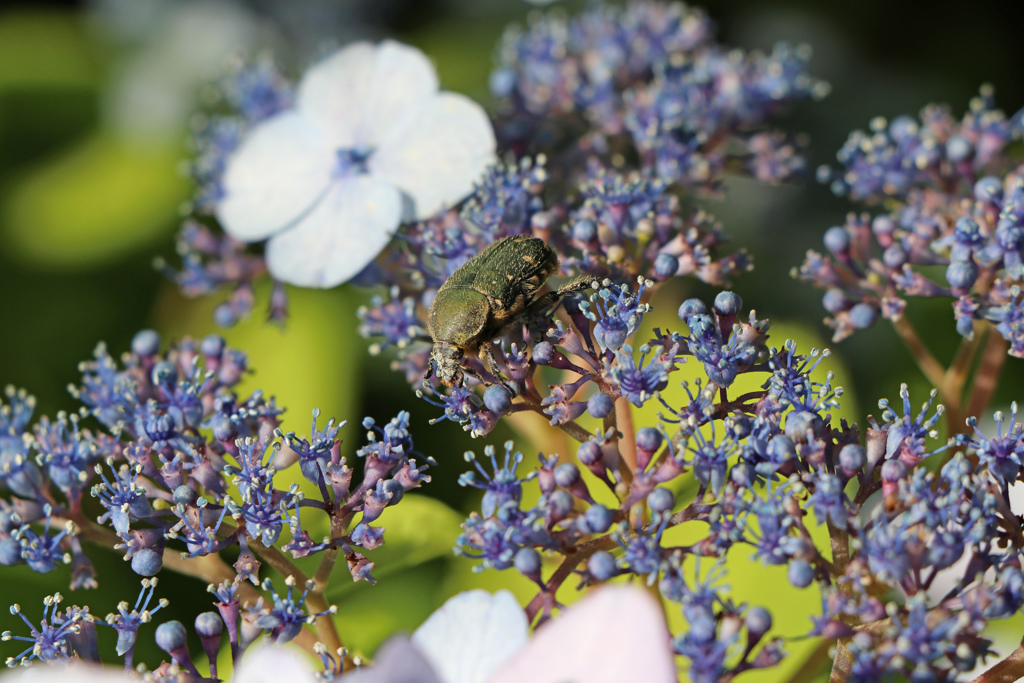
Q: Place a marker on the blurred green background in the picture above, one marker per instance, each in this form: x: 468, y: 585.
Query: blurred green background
x: 95, y: 104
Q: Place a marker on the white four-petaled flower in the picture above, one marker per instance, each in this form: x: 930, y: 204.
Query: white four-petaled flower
x: 370, y: 142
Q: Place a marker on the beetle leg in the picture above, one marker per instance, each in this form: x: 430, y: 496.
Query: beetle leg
x: 487, y: 353
x: 577, y: 284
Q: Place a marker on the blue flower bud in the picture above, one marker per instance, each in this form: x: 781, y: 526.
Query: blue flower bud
x: 853, y: 457
x: 600, y: 405
x: 801, y: 573
x: 883, y: 225
x: 893, y: 471
x: 146, y: 343
x: 224, y: 315
x: 835, y: 300
x: 498, y: 399
x: 561, y: 504
x: 527, y: 562
x: 959, y: 148
x: 224, y: 429
x: 10, y: 552
x: 601, y: 565
x: 567, y: 474
x: 209, y: 625
x: 799, y: 424
x: 863, y: 315
x: 171, y: 636
x: 648, y: 439
x: 837, y: 239
x: 147, y: 562
x: 690, y: 308
x: 212, y: 345
x: 759, y: 621
x: 184, y: 494
x: 988, y: 189
x: 598, y: 518
x: 543, y: 353
x: 396, y: 491
x: 961, y: 275
x: 666, y: 265
x: 894, y: 257
x: 660, y: 500
x: 727, y: 303
x: 588, y: 453
x: 584, y: 230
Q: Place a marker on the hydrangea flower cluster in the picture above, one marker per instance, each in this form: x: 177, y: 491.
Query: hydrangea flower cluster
x: 918, y: 559
x: 648, y: 79
x: 952, y: 198
x: 182, y: 468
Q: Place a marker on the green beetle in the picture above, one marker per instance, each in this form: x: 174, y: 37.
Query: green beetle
x: 485, y: 298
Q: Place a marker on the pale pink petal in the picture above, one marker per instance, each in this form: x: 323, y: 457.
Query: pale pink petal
x: 436, y: 152
x: 397, y: 661
x: 274, y: 664
x: 359, y: 92
x: 340, y: 236
x: 615, y: 634
x: 472, y: 634
x: 277, y: 174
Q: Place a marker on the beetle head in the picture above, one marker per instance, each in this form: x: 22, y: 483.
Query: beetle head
x: 446, y: 359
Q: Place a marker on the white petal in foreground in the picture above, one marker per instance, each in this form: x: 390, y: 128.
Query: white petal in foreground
x: 359, y: 92
x: 397, y: 661
x: 615, y: 634
x: 472, y: 634
x: 436, y: 152
x: 278, y: 174
x: 57, y: 672
x: 343, y: 233
x: 274, y: 664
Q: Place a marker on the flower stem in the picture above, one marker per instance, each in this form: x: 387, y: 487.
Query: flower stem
x: 1006, y: 671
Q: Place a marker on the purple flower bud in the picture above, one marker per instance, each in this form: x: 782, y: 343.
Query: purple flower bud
x: 666, y: 265
x: 146, y: 343
x: 837, y: 240
x: 988, y: 189
x: 835, y: 300
x: 212, y: 345
x: 852, y: 458
x: 894, y: 257
x: 690, y: 308
x: 727, y: 304
x: 589, y: 453
x: 759, y: 621
x: 863, y: 315
x: 648, y: 438
x: 660, y: 500
x: 498, y: 399
x: 224, y: 315
x: 584, y: 231
x: 543, y: 353
x: 961, y: 276
x: 804, y: 425
x: 10, y: 552
x: 601, y: 565
x: 567, y: 474
x: 147, y: 562
x: 600, y: 405
x: 184, y: 494
x: 171, y: 636
x: 209, y: 625
x: 527, y: 562
x: 561, y: 504
x: 598, y: 519
x: 801, y: 573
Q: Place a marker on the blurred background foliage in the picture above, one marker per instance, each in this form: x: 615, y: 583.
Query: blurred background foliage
x: 95, y: 104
